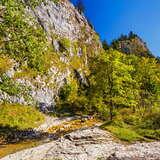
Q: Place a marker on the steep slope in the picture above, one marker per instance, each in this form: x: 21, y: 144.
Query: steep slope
x: 44, y: 44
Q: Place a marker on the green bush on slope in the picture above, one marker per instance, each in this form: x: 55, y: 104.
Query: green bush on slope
x: 5, y: 63
x: 19, y: 116
x: 22, y: 41
x: 131, y: 127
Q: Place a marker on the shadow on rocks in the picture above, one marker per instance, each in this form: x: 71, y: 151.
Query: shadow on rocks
x: 14, y: 135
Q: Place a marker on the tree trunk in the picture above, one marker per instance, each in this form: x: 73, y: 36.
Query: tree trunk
x: 111, y: 110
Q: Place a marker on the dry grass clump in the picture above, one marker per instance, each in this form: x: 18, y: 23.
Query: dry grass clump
x: 70, y: 126
x: 5, y: 63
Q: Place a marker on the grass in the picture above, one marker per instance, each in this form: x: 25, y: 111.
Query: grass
x: 124, y: 134
x: 13, y: 118
x: 129, y: 128
x: 149, y: 133
x: 19, y: 116
x: 9, y: 86
x: 26, y: 73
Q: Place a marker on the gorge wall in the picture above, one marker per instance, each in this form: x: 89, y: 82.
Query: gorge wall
x: 69, y: 42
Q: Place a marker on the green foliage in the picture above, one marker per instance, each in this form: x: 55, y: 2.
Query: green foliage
x: 56, y: 1
x: 112, y: 81
x: 76, y: 62
x: 126, y: 88
x: 151, y: 121
x: 124, y: 134
x: 72, y: 98
x: 21, y: 40
x: 22, y: 117
x: 105, y: 45
x: 26, y: 73
x: 9, y: 86
x: 65, y: 92
x: 148, y: 83
x: 12, y: 88
x: 96, y: 37
x: 149, y: 134
x: 34, y: 3
x: 5, y: 63
x: 130, y: 126
x: 122, y: 130
x: 65, y: 44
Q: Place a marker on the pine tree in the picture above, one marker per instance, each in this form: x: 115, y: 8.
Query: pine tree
x: 105, y: 45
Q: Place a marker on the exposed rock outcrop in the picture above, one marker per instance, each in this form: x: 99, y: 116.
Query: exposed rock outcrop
x: 72, y: 40
x: 131, y: 44
x: 89, y: 144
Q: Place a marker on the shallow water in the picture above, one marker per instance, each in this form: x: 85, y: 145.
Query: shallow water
x: 14, y: 147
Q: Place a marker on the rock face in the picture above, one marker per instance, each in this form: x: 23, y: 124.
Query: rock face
x: 131, y: 44
x: 61, y: 19
x: 89, y: 144
x: 71, y: 38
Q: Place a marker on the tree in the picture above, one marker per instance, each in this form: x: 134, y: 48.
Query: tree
x: 132, y: 35
x: 147, y: 76
x: 112, y: 81
x: 105, y: 45
x: 80, y: 6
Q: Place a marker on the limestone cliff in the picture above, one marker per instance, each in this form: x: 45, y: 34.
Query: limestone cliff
x: 69, y: 42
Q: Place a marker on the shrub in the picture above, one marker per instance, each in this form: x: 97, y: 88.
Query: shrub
x: 5, y: 63
x: 65, y: 92
x: 151, y: 121
x: 56, y: 1
x: 29, y: 42
x: 65, y: 44
x: 76, y: 62
x: 132, y: 119
x: 148, y: 133
x: 26, y: 73
x: 22, y: 117
x: 9, y: 86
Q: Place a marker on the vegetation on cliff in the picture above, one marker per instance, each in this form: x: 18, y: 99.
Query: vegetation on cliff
x: 22, y: 117
x: 122, y: 89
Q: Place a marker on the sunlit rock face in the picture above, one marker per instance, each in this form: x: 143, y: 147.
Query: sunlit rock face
x: 60, y: 20
x: 131, y: 44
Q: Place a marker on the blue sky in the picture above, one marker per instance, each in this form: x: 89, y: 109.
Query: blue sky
x: 114, y: 17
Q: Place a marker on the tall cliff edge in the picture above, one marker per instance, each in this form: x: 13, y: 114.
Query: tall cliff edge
x: 43, y: 45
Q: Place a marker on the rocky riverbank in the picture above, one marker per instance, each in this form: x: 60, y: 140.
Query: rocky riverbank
x: 89, y: 143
